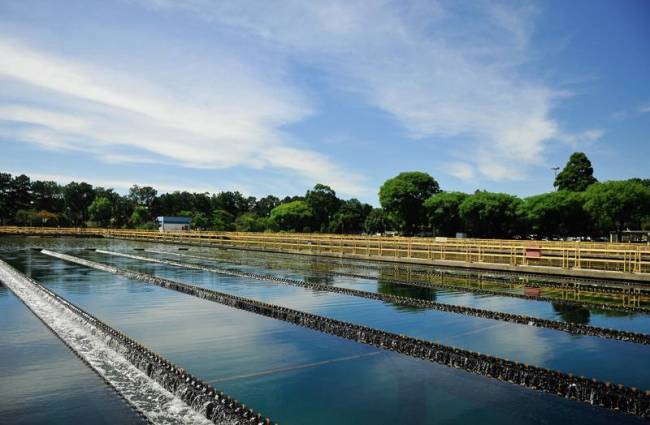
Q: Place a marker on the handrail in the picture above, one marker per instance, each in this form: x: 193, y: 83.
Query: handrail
x: 618, y: 257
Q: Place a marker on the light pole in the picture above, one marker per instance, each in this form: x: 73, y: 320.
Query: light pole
x: 555, y: 169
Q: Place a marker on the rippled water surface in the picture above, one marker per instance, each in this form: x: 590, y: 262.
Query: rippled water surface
x: 296, y: 375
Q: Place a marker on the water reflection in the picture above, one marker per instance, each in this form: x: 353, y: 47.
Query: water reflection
x: 572, y: 313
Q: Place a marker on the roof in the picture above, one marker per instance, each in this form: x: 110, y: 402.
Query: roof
x: 173, y: 220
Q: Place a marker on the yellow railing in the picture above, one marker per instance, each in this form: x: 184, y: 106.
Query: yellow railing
x: 566, y: 255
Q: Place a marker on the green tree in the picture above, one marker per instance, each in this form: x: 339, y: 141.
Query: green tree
x: 5, y: 204
x: 577, y: 174
x: 403, y: 196
x: 142, y: 195
x: 263, y: 206
x: 223, y: 220
x: 324, y: 204
x: 27, y: 217
x: 376, y: 222
x: 101, y: 211
x: 350, y: 217
x: 139, y: 216
x: 443, y: 213
x: 232, y: 202
x: 491, y: 215
x: 294, y: 216
x: 250, y: 222
x: 47, y: 196
x: 617, y: 205
x: 559, y: 213
x: 78, y: 197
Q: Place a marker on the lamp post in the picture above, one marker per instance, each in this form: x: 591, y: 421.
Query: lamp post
x: 555, y: 170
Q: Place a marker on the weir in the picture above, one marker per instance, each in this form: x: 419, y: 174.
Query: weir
x: 163, y: 392
x: 572, y: 328
x: 632, y: 293
x: 592, y: 391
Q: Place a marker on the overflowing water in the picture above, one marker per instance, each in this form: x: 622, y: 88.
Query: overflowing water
x: 296, y: 375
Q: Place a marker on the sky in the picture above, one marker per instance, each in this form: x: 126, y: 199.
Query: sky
x: 272, y: 97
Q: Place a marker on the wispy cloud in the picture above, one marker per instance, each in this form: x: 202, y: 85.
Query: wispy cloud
x: 235, y: 121
x: 446, y: 74
x: 439, y: 68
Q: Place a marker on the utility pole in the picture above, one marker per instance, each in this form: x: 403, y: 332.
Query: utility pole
x: 555, y: 169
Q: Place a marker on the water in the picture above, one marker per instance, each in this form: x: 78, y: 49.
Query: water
x: 293, y: 374
x: 312, y: 270
x: 589, y: 356
x: 43, y: 382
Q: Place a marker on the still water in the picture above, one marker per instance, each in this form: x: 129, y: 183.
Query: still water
x: 316, y: 270
x: 296, y: 375
x: 582, y: 355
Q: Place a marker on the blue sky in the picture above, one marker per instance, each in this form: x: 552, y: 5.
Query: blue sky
x: 273, y: 97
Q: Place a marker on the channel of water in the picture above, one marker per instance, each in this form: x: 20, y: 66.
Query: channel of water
x: 296, y: 375
x: 582, y: 355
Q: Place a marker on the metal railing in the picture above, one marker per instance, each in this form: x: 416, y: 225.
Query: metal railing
x: 617, y: 257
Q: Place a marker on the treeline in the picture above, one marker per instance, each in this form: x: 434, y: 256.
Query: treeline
x: 411, y: 203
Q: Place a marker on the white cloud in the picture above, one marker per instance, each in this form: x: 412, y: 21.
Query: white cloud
x: 461, y: 170
x: 644, y: 109
x: 232, y: 118
x: 439, y: 68
x: 575, y: 140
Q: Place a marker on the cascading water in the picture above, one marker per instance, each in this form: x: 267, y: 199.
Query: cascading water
x: 163, y: 393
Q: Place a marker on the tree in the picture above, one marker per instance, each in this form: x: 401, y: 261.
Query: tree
x: 222, y: 220
x: 295, y: 216
x: 5, y: 205
x: 250, y: 222
x: 376, y: 221
x: 491, y: 215
x: 47, y: 196
x: 139, y: 216
x: 48, y: 218
x: 402, y: 197
x: 263, y: 206
x: 323, y: 202
x: 20, y: 193
x: 101, y: 211
x: 577, y: 174
x: 142, y: 195
x: 27, y: 217
x: 78, y: 197
x: 559, y: 213
x: 232, y: 202
x: 617, y: 205
x: 443, y: 213
x: 350, y: 217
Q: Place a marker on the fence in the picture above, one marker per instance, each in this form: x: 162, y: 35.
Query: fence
x: 619, y: 257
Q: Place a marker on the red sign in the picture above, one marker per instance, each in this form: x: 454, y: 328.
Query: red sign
x: 532, y: 252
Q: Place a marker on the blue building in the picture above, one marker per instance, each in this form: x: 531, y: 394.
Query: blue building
x: 173, y: 224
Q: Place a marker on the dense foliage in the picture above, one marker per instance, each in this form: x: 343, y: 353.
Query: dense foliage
x: 411, y: 203
x: 403, y: 197
x: 577, y: 175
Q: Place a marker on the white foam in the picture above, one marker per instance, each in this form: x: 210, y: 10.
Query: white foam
x: 147, y: 396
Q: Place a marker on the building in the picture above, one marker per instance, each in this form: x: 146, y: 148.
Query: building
x: 173, y: 224
x: 631, y: 236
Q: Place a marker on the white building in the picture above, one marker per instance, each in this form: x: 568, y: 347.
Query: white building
x: 173, y: 224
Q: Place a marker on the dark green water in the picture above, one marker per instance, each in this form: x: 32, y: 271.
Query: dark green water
x: 299, y: 376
